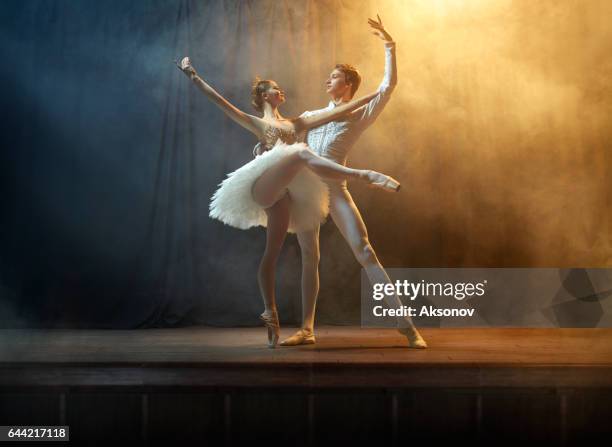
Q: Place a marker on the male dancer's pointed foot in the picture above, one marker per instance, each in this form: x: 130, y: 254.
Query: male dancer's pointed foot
x: 301, y: 337
x: 414, y: 338
x: 378, y: 180
x: 270, y: 319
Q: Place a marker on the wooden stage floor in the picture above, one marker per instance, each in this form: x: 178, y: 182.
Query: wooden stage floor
x: 213, y: 386
x: 342, y: 356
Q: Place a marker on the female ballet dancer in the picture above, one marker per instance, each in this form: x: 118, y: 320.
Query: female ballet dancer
x: 273, y: 190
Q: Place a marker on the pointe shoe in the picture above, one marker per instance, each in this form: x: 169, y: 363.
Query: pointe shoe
x: 186, y: 67
x: 414, y: 338
x: 386, y: 182
x: 271, y: 322
x: 301, y: 337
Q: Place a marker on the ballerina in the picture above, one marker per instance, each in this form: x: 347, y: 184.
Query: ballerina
x: 274, y: 190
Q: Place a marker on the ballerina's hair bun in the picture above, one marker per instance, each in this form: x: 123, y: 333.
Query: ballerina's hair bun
x: 258, y: 89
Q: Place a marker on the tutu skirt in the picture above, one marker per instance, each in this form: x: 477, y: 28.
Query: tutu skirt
x: 233, y: 204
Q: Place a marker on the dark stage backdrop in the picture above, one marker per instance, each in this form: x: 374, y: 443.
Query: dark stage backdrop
x: 499, y: 131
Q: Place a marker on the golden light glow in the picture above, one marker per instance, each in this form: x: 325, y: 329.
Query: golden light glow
x: 499, y: 128
x: 501, y: 119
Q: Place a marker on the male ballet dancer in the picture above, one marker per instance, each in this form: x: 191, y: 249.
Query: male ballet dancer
x: 333, y: 141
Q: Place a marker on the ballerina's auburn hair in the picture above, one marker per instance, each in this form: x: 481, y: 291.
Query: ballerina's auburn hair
x: 260, y: 86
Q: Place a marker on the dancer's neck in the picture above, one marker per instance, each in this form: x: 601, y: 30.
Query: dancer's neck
x: 341, y: 99
x: 271, y: 113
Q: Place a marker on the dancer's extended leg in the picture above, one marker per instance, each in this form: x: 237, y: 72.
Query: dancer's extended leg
x: 275, y: 179
x: 346, y: 216
x: 278, y: 222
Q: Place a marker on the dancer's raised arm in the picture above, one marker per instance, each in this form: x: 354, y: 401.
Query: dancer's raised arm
x: 307, y: 122
x: 249, y: 122
x: 368, y: 114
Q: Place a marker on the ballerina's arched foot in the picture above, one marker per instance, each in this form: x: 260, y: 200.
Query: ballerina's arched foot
x: 414, y: 338
x: 270, y: 319
x: 301, y: 337
x: 378, y: 180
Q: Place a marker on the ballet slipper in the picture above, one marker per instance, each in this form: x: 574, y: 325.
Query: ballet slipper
x: 414, y: 338
x: 382, y: 181
x: 301, y: 337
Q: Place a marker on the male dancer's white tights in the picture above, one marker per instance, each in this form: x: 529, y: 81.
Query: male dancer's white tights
x: 347, y: 218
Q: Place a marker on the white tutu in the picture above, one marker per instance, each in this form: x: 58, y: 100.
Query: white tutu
x: 233, y: 203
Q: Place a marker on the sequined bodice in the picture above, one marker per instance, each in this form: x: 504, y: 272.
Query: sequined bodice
x: 272, y: 134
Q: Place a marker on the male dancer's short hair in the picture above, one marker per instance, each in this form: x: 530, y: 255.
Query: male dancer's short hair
x: 351, y: 75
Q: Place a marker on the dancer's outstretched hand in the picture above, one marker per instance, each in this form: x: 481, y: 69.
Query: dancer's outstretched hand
x: 379, y: 29
x: 185, y: 66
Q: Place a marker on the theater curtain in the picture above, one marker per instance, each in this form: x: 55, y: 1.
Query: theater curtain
x: 110, y: 155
